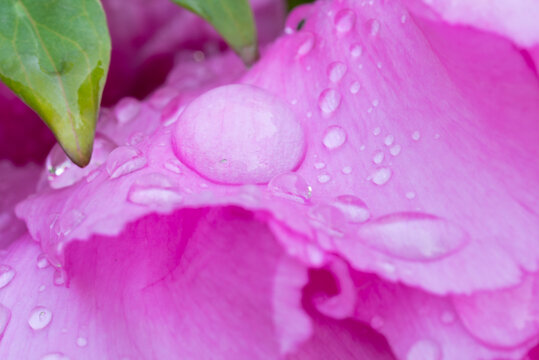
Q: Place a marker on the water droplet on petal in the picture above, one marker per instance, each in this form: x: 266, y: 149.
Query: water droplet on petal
x: 55, y: 356
x: 347, y: 170
x: 410, y: 195
x: 381, y: 176
x: 68, y: 222
x: 424, y: 350
x: 334, y: 137
x: 307, y: 44
x: 324, y: 178
x: 62, y: 172
x: 416, y: 135
x: 375, y: 102
x: 237, y: 134
x: 5, y: 317
x: 154, y: 190
x: 6, y: 275
x: 374, y: 27
x: 42, y: 261
x: 413, y: 236
x: 82, y: 342
x: 59, y: 277
x: 127, y: 109
x: 345, y: 21
x: 319, y: 165
x: 352, y: 207
x: 291, y: 186
x: 124, y: 160
x: 40, y: 317
x: 329, y: 101
x: 355, y: 87
x: 395, y: 150
x: 376, y: 131
x: 389, y: 140
x: 327, y: 218
x: 403, y: 18
x: 336, y: 70
x: 173, y: 165
x: 378, y: 157
x: 356, y: 50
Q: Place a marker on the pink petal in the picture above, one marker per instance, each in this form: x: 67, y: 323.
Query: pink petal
x: 515, y: 20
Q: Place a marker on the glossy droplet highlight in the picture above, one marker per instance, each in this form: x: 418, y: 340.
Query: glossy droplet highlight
x: 381, y: 176
x: 126, y: 110
x: 239, y: 134
x: 336, y: 70
x: 329, y: 101
x: 334, y: 137
x: 345, y: 21
x: 291, y: 186
x: 352, y: 207
x: 424, y: 350
x: 125, y: 160
x: 6, y: 275
x: 413, y: 236
x: 40, y: 318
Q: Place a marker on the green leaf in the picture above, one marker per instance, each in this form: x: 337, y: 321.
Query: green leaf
x: 293, y: 3
x: 233, y: 19
x: 55, y: 54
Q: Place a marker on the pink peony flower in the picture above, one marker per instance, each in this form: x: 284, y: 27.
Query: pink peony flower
x: 368, y: 190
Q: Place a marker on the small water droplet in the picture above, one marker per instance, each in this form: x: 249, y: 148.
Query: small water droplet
x: 410, y: 195
x: 374, y: 27
x: 309, y: 114
x: 345, y: 21
x: 377, y: 322
x: 347, y: 170
x: 42, y: 288
x: 42, y: 261
x: 424, y: 350
x: 336, y: 70
x: 447, y: 317
x: 127, y: 109
x: 55, y: 356
x: 59, y: 277
x: 6, y: 275
x: 389, y: 140
x: 291, y: 186
x: 375, y: 102
x: 376, y: 131
x: 403, y: 18
x: 329, y: 101
x: 307, y: 45
x: 378, y: 157
x: 413, y: 236
x: 395, y: 150
x: 356, y: 50
x: 334, y: 137
x: 324, y: 178
x: 173, y: 165
x: 416, y: 135
x: 319, y: 165
x: 82, y: 342
x: 352, y: 207
x: 355, y: 87
x: 124, y: 160
x: 40, y: 317
x: 381, y: 176
x: 154, y: 190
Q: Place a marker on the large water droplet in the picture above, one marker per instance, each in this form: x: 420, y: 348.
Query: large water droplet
x: 124, y: 160
x: 291, y: 186
x: 329, y: 101
x: 336, y: 70
x: 40, y: 318
x: 345, y: 21
x: 154, y: 190
x: 334, y: 137
x: 5, y: 317
x: 381, y: 176
x: 126, y: 109
x: 62, y: 172
x: 6, y: 275
x: 413, y: 236
x: 239, y: 134
x: 424, y: 350
x: 352, y: 207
